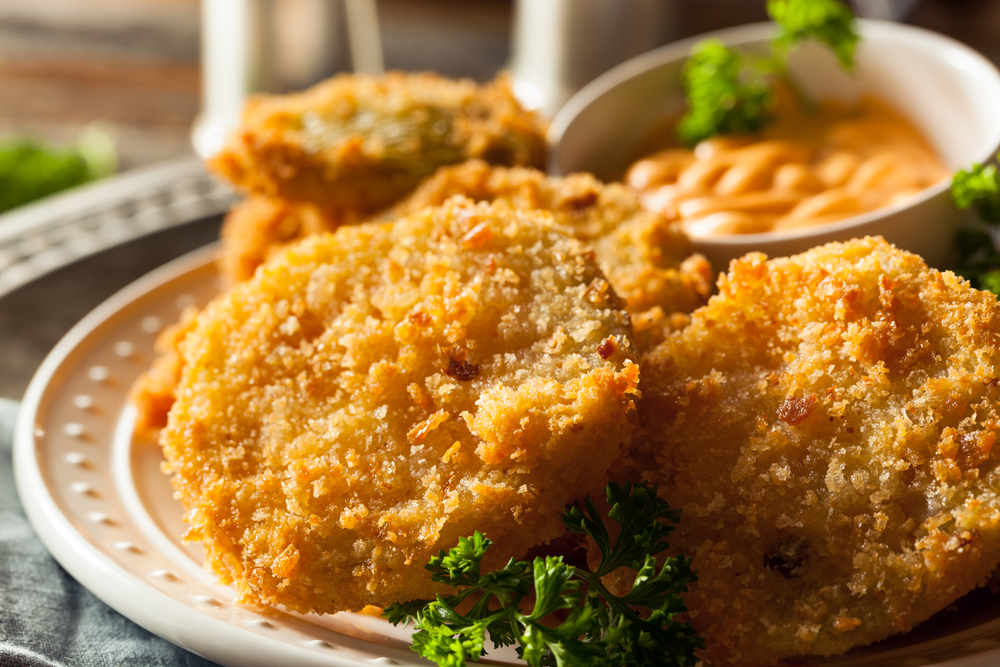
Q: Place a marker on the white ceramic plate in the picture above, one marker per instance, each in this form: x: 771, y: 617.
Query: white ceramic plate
x: 96, y: 497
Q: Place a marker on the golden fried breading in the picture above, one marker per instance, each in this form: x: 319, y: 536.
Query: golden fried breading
x: 827, y: 423
x: 360, y: 142
x: 649, y: 261
x: 371, y: 395
x: 253, y: 230
x: 258, y: 227
x: 153, y: 393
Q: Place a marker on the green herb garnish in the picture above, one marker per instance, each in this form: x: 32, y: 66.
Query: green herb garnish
x: 827, y: 21
x: 730, y: 93
x: 978, y: 188
x: 594, y: 627
x: 30, y: 171
x: 725, y: 95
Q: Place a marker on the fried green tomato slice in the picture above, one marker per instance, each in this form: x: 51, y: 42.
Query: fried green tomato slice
x: 648, y: 260
x: 828, y: 425
x: 360, y: 142
x: 371, y: 395
x: 258, y: 227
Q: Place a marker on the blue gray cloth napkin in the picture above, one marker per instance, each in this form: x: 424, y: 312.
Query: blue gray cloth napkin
x: 47, y: 619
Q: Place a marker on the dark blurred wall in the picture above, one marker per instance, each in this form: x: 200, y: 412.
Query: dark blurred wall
x: 454, y: 37
x: 975, y: 22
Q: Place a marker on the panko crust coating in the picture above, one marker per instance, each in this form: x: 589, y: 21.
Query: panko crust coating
x: 827, y: 423
x: 258, y: 227
x: 649, y: 260
x: 153, y: 393
x: 254, y: 230
x: 374, y: 394
x: 360, y: 142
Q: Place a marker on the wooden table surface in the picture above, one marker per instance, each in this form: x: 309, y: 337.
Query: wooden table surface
x: 132, y: 65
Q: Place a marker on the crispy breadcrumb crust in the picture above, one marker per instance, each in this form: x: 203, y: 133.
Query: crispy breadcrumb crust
x: 153, y: 393
x: 258, y: 227
x: 649, y: 260
x: 827, y: 423
x: 360, y: 142
x: 254, y: 230
x: 373, y: 394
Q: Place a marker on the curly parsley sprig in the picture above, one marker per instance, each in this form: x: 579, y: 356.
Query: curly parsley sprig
x: 595, y: 627
x: 725, y: 95
x: 828, y: 21
x: 978, y: 188
x: 728, y: 92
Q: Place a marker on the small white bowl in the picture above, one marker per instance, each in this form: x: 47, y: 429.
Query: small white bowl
x: 947, y: 90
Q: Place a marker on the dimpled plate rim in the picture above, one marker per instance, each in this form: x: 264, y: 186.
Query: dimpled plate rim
x: 74, y: 466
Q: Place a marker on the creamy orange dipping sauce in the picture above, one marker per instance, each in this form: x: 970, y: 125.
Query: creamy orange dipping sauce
x: 806, y: 169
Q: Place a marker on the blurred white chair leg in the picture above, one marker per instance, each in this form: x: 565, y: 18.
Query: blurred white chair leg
x: 559, y: 46
x: 365, y: 39
x: 276, y: 46
x: 887, y: 10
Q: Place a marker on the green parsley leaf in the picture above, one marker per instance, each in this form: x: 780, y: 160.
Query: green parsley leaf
x: 452, y: 640
x: 575, y: 621
x: 978, y: 188
x: 729, y: 92
x: 990, y: 281
x: 984, y: 274
x: 725, y: 95
x: 979, y: 261
x: 460, y: 566
x: 828, y: 21
x: 30, y: 171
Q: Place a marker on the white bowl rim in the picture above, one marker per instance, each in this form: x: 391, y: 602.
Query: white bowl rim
x: 760, y: 31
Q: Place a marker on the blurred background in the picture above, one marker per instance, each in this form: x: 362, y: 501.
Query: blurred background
x: 134, y: 64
